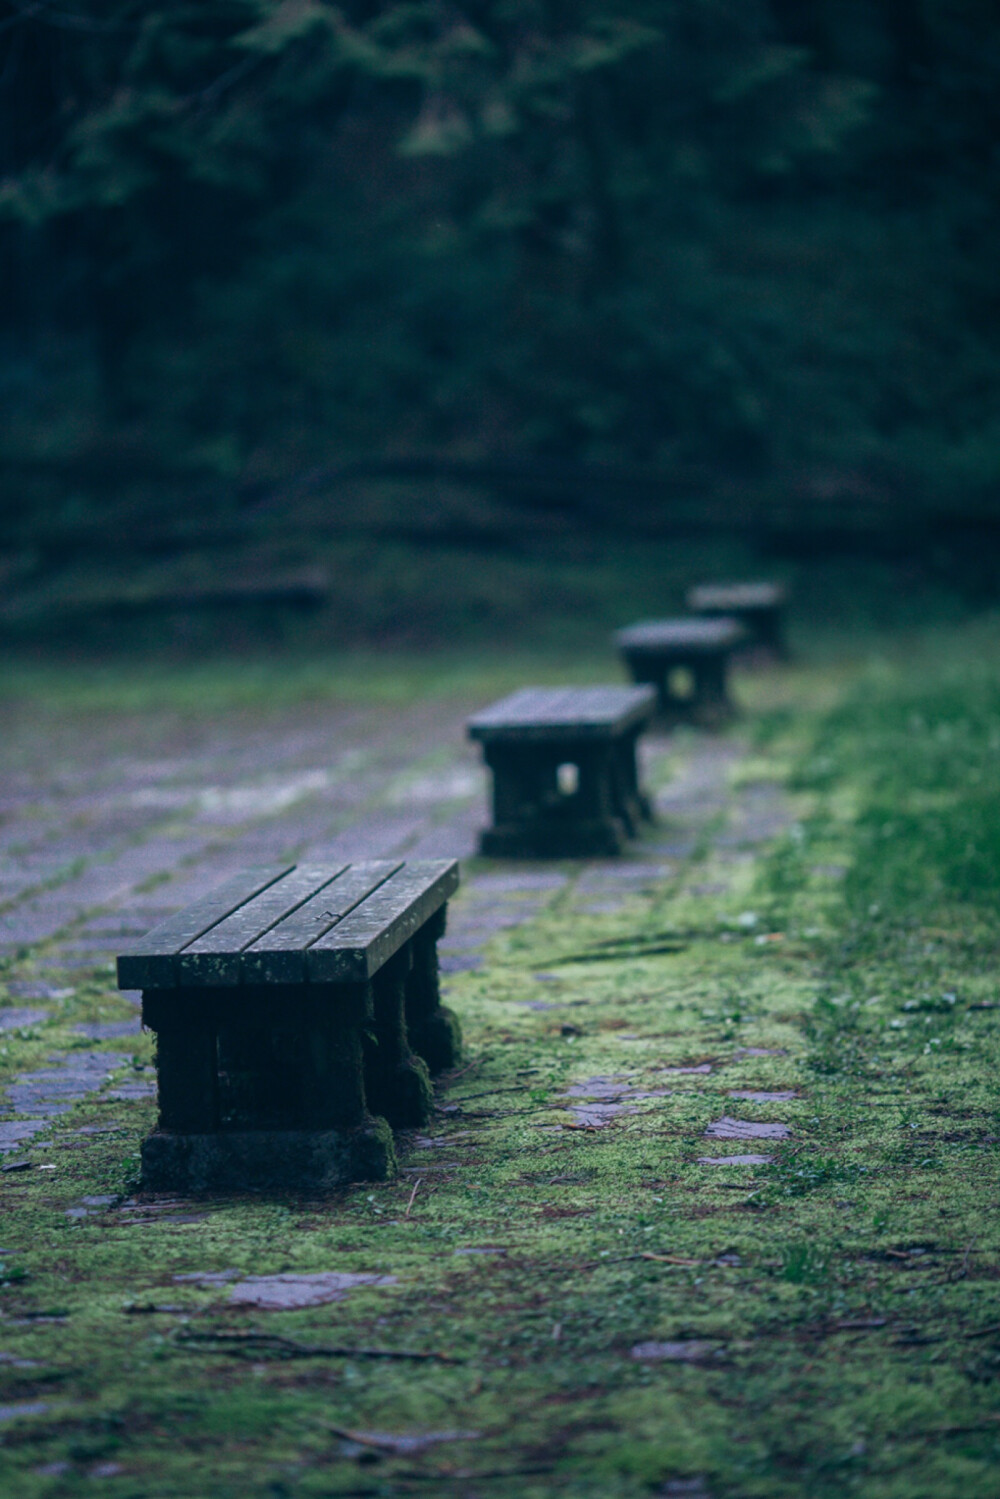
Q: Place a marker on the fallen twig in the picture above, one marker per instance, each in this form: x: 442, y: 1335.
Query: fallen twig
x: 397, y: 1446
x: 963, y: 1269
x: 489, y: 1092
x: 146, y: 1308
x: 413, y: 1194
x: 609, y: 1259
x: 467, y: 1475
x: 987, y: 1424
x: 453, y: 1077
x: 859, y: 1324
x: 667, y: 1259
x: 239, y: 1342
x: 623, y: 953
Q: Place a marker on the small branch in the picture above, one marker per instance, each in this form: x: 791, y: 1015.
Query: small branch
x: 668, y: 1259
x: 489, y: 1092
x: 248, y: 1342
x: 453, y: 1077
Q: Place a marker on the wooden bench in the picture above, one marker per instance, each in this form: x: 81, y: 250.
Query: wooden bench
x: 298, y: 1016
x: 565, y: 778
x: 687, y: 661
x: 760, y: 608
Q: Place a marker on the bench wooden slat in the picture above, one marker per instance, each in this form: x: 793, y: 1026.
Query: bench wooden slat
x: 722, y: 596
x: 354, y: 949
x: 573, y: 712
x: 215, y: 957
x: 681, y: 634
x: 279, y: 956
x: 152, y: 962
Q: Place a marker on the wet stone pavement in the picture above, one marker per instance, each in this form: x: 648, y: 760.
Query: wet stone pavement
x: 110, y: 823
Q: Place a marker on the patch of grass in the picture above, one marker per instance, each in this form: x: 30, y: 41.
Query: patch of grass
x: 805, y: 1264
x: 221, y: 683
x: 793, y: 1175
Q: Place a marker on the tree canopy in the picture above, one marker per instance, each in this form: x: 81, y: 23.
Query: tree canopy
x: 748, y: 244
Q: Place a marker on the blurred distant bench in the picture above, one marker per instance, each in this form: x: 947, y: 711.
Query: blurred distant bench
x: 297, y: 1015
x: 687, y: 661
x: 565, y: 779
x: 759, y: 607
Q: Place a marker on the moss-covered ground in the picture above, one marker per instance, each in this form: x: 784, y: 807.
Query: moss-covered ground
x: 583, y: 1301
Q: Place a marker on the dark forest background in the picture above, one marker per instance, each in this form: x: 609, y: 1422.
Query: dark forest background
x: 279, y: 270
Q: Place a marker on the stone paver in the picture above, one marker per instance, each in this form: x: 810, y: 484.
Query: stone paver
x: 109, y: 823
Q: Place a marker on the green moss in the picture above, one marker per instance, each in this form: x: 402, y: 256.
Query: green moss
x: 846, y: 1292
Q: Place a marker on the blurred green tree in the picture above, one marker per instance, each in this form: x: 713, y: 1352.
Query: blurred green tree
x: 751, y: 240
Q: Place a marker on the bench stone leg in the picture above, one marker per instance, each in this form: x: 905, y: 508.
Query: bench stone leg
x: 433, y: 1029
x: 635, y: 806
x: 333, y: 1080
x: 187, y: 1079
x: 708, y: 703
x: 712, y: 703
x: 397, y: 1082
x: 654, y: 670
x: 533, y: 818
x: 766, y: 631
x: 249, y: 1105
x: 267, y: 1160
x: 602, y: 824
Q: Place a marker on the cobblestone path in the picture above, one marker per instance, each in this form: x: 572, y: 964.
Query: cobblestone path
x: 108, y: 823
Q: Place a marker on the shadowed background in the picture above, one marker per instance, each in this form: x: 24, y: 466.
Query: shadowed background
x: 408, y: 314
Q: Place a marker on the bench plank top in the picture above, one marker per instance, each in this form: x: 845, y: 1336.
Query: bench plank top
x: 150, y: 962
x: 564, y: 712
x: 279, y: 956
x: 215, y: 957
x: 325, y: 923
x: 694, y: 635
x: 368, y: 936
x: 723, y: 596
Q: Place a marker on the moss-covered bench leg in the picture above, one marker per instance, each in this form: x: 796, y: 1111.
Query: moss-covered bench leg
x: 248, y: 1103
x: 187, y: 1074
x: 714, y: 705
x: 634, y: 806
x: 396, y: 1080
x: 433, y: 1029
x: 534, y: 817
x: 332, y: 1076
x: 602, y: 822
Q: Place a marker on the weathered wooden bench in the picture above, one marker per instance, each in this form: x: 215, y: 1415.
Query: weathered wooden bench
x: 760, y: 608
x: 298, y: 1017
x: 565, y: 778
x: 687, y: 661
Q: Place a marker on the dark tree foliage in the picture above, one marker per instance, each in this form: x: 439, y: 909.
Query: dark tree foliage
x: 753, y: 241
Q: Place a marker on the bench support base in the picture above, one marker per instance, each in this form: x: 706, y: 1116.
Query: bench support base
x: 433, y: 1029
x: 554, y: 840
x: 708, y: 704
x: 534, y: 818
x: 438, y: 1040
x: 267, y: 1160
